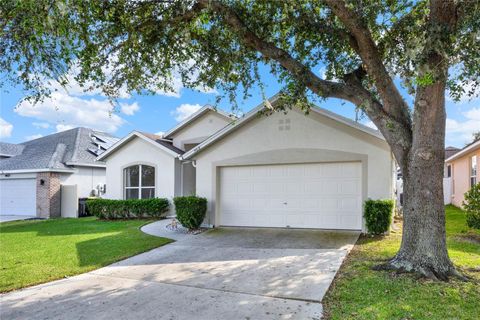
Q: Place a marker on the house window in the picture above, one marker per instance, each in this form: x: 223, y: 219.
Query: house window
x: 473, y: 171
x: 139, y: 182
x: 449, y: 171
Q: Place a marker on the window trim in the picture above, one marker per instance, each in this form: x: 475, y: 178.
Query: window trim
x: 140, y: 187
x: 473, y: 170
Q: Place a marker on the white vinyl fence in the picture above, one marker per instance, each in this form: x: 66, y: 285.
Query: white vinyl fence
x: 447, y: 191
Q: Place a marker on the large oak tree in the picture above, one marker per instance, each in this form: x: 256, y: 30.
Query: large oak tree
x: 369, y: 48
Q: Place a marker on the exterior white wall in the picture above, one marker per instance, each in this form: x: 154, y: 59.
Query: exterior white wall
x: 86, y: 179
x: 69, y: 201
x: 188, y: 179
x: 199, y: 130
x: 139, y: 151
x: 301, y: 139
x: 13, y: 176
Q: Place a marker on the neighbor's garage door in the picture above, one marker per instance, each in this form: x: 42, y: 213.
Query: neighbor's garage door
x: 317, y: 195
x: 18, y: 197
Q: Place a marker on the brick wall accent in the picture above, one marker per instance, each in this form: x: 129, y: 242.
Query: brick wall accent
x: 48, y: 195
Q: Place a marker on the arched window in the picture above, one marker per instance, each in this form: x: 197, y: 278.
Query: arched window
x: 139, y: 182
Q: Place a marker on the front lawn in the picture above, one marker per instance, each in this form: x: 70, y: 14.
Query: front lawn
x: 33, y: 252
x: 358, y: 292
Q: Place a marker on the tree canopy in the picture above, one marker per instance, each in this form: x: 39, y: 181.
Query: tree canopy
x: 142, y: 44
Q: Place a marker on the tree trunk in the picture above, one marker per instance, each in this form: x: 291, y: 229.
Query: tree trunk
x: 424, y: 248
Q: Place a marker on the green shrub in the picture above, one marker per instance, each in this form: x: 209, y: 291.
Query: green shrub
x: 190, y: 211
x: 472, y: 206
x: 128, y: 209
x: 378, y: 215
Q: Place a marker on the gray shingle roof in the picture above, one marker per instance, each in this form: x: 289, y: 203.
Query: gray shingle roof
x: 450, y: 151
x: 57, y: 151
x: 158, y: 139
x: 10, y: 149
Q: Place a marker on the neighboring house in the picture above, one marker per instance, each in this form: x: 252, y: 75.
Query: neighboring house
x: 282, y: 170
x: 449, y: 151
x: 32, y: 173
x: 462, y: 169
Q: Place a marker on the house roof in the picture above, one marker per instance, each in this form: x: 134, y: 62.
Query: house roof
x: 156, y: 140
x: 195, y: 116
x: 58, y: 152
x: 450, y: 151
x: 275, y: 100
x: 10, y: 149
x: 468, y: 148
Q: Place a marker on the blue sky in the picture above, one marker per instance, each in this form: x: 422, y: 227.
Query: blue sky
x: 158, y: 113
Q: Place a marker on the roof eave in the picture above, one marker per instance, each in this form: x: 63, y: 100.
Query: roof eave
x: 193, y: 117
x: 86, y: 164
x: 37, y: 170
x: 462, y: 152
x: 188, y: 155
x: 127, y: 139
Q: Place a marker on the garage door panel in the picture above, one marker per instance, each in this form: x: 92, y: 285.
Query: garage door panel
x: 315, y: 187
x: 298, y: 195
x: 350, y: 204
x: 349, y: 187
x: 18, y: 197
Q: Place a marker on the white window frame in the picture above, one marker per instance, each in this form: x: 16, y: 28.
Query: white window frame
x: 473, y: 170
x: 140, y: 187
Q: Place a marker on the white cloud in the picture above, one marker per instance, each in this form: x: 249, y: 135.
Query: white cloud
x: 160, y: 133
x: 460, y: 132
x: 5, y: 128
x: 66, y: 112
x: 33, y: 136
x: 370, y: 124
x: 41, y: 125
x: 73, y: 88
x: 185, y: 110
x: 129, y: 109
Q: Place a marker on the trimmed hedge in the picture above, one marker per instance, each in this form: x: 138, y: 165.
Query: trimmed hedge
x: 190, y: 211
x: 472, y: 206
x: 128, y: 209
x: 378, y: 215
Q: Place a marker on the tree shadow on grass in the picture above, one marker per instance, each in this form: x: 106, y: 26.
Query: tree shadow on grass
x: 103, y: 251
x: 70, y: 226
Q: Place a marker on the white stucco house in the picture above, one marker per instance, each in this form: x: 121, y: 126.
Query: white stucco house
x: 34, y: 175
x: 281, y: 170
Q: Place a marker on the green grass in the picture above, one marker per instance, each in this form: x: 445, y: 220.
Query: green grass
x: 33, y: 252
x: 358, y: 292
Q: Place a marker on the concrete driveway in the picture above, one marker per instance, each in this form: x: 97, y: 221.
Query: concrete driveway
x: 220, y: 274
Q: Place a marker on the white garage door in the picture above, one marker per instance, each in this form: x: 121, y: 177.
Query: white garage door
x: 18, y: 197
x: 317, y: 195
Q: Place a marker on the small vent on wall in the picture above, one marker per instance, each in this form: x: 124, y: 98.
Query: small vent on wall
x: 284, y: 124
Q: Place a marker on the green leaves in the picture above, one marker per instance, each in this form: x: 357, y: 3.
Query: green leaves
x: 472, y: 206
x: 378, y: 215
x: 140, y: 45
x: 128, y: 209
x: 190, y: 210
x: 425, y: 79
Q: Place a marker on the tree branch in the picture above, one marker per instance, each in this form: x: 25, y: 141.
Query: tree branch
x: 352, y: 90
x: 370, y: 55
x: 269, y: 50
